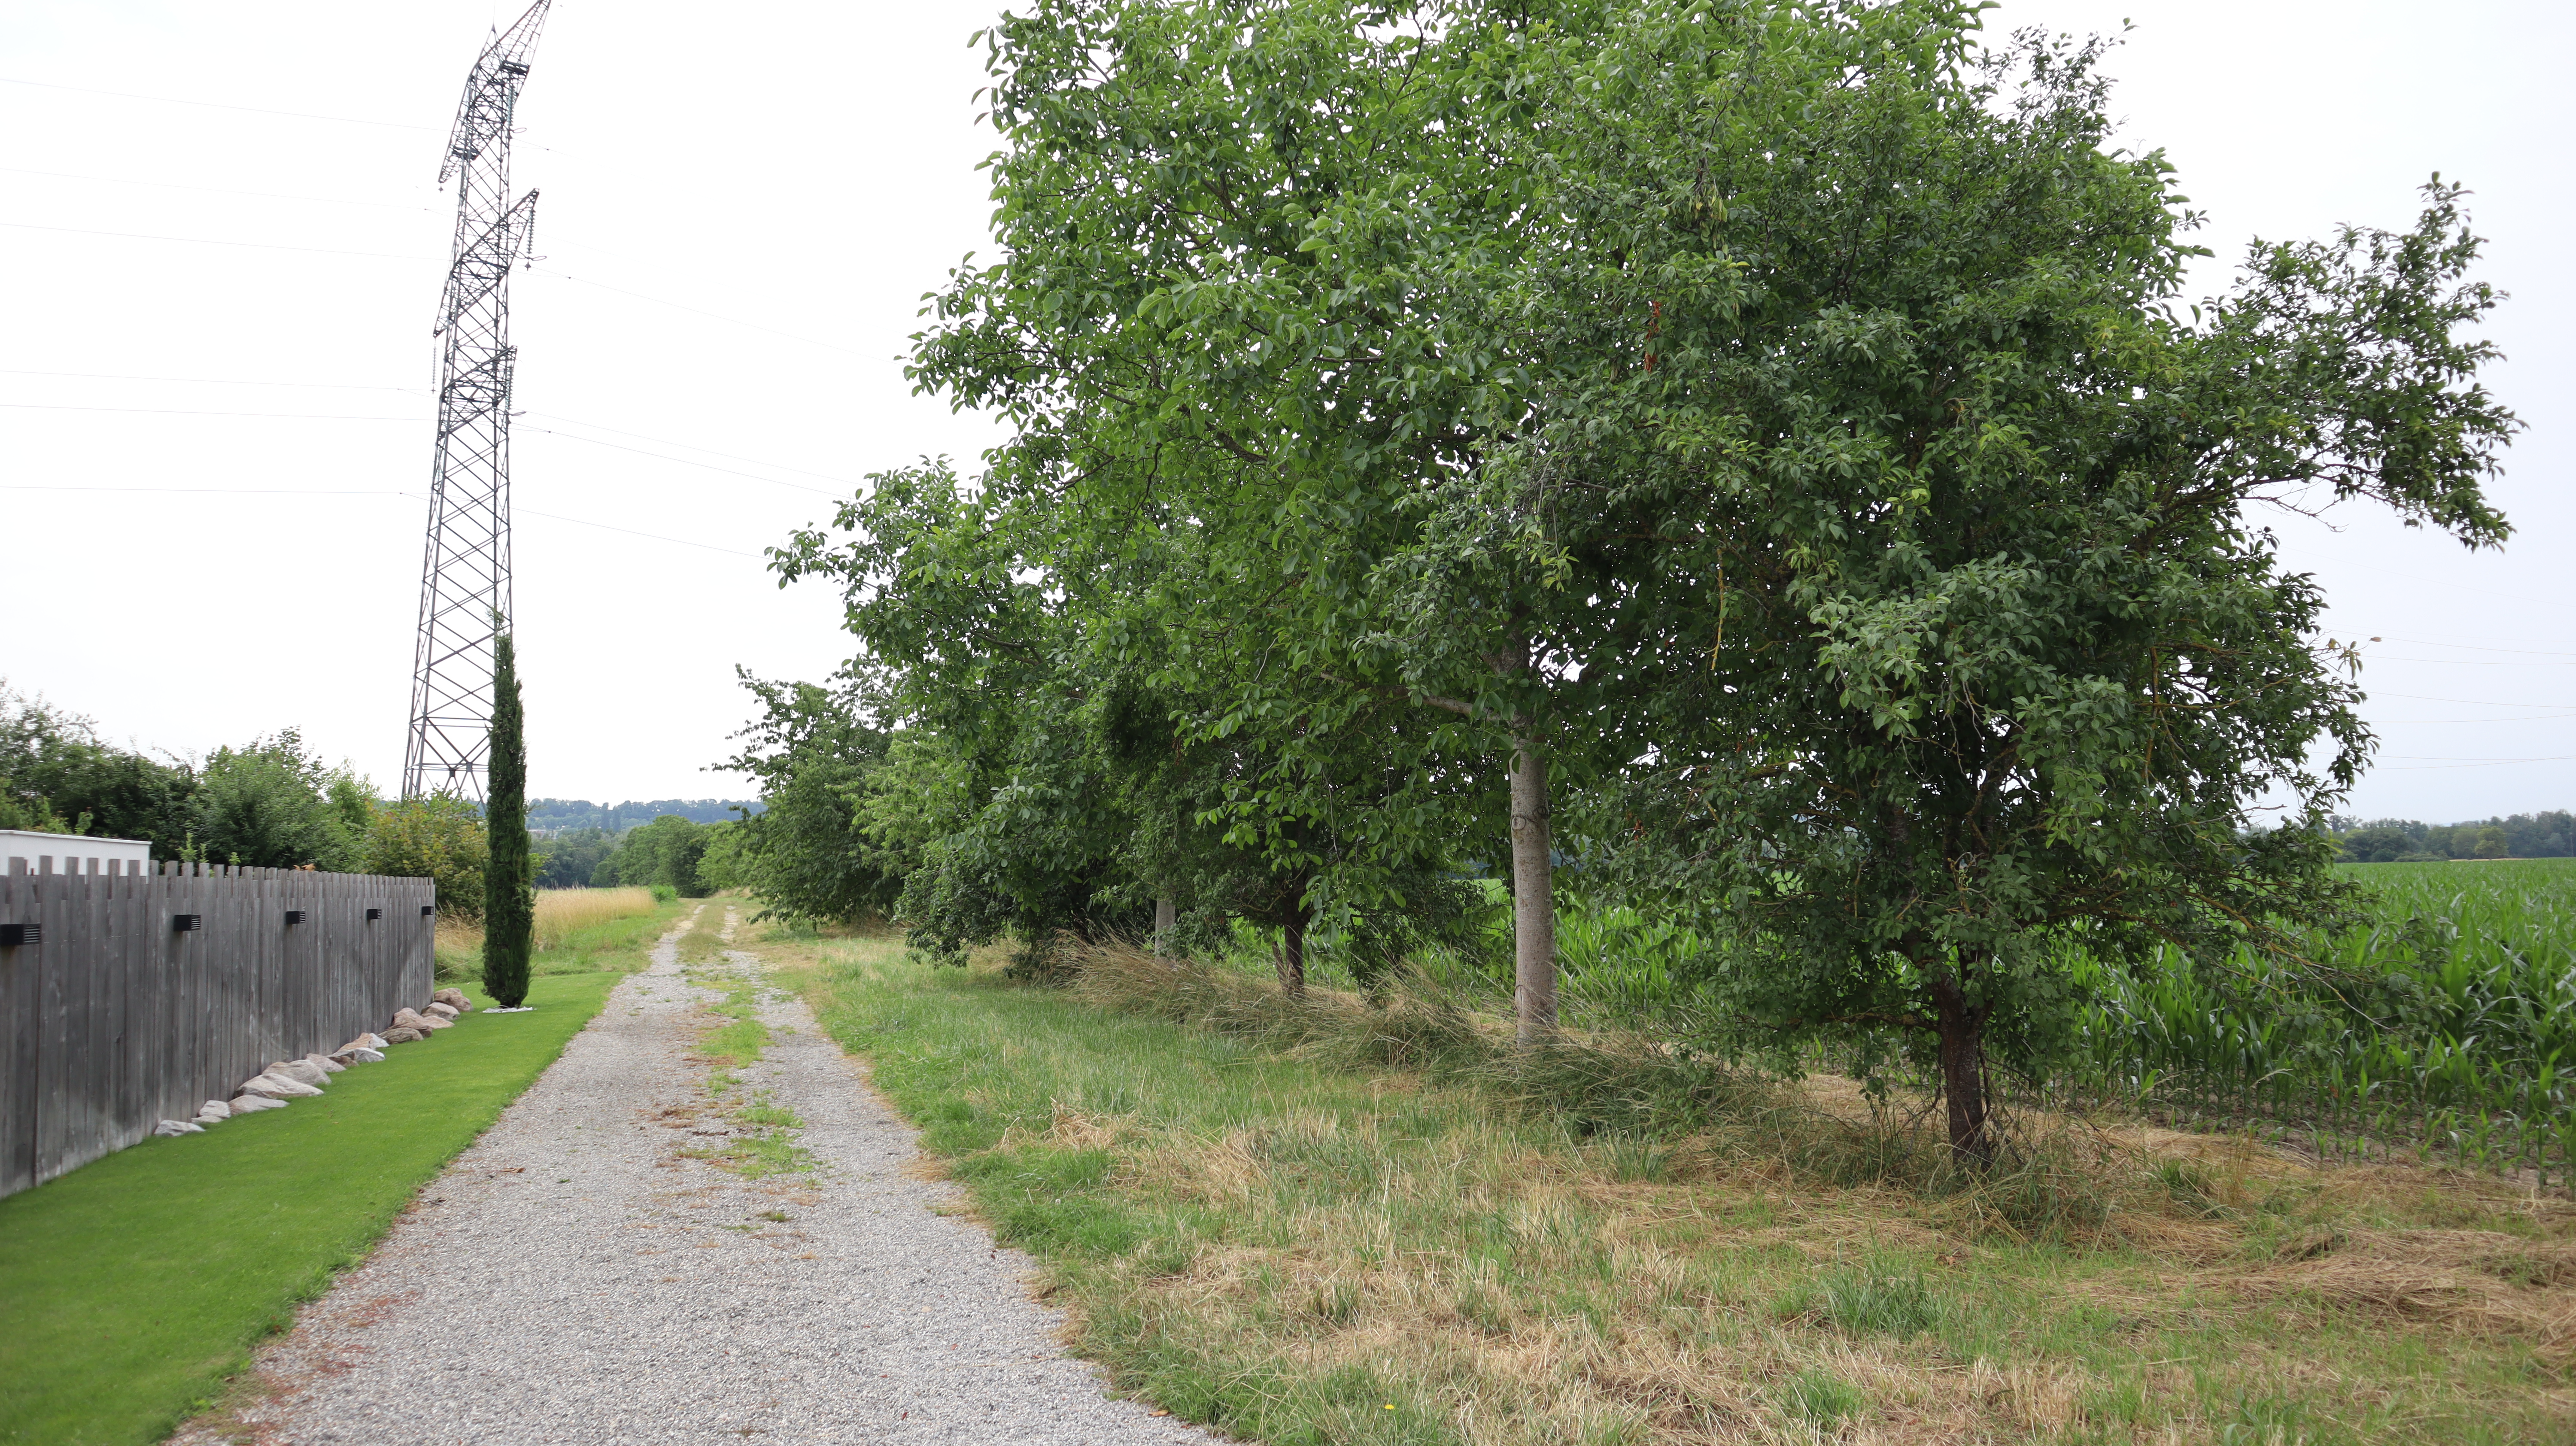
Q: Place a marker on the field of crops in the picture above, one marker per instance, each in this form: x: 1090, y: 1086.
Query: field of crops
x: 2447, y: 1031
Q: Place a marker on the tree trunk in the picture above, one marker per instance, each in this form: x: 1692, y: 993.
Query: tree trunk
x: 1167, y: 917
x: 1533, y: 892
x: 1292, y: 956
x: 1963, y: 1078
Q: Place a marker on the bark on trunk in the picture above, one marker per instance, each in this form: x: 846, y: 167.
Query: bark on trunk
x: 1963, y: 1081
x: 1167, y: 917
x: 1292, y: 956
x: 1533, y: 893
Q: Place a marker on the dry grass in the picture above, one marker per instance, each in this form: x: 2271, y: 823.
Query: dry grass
x: 1328, y: 1221
x: 577, y: 931
x: 561, y: 911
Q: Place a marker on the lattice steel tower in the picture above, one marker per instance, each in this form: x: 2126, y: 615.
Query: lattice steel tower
x: 465, y: 574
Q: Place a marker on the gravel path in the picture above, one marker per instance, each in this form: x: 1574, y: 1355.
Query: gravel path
x: 573, y: 1277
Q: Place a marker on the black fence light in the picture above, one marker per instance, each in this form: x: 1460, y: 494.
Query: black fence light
x: 19, y: 936
x: 428, y: 909
x: 374, y: 914
x: 186, y: 923
x: 295, y: 916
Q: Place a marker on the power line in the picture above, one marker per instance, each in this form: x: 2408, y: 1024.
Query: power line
x: 683, y: 461
x: 415, y: 391
x: 2415, y: 722
x: 211, y: 241
x: 398, y: 256
x: 366, y: 492
x: 2565, y: 661
x: 692, y: 446
x: 2475, y: 647
x: 346, y: 417
x: 2480, y: 763
x: 213, y: 381
x: 217, y: 105
x: 184, y: 412
x: 215, y: 491
x: 214, y: 190
x: 2472, y: 702
x: 676, y: 306
x: 2454, y: 758
x: 631, y: 532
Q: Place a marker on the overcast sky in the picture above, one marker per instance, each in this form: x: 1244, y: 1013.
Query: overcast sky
x: 212, y: 309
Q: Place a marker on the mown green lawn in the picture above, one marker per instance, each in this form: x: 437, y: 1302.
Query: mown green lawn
x: 131, y: 1287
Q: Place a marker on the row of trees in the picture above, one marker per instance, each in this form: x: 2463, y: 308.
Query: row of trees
x: 556, y: 816
x: 272, y: 803
x: 2550, y: 834
x: 676, y: 852
x: 689, y: 858
x: 1756, y: 451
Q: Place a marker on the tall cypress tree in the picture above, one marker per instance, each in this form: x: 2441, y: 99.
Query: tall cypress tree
x: 509, y: 898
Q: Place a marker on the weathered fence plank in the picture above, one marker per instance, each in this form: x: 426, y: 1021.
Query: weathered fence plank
x: 19, y: 1029
x: 113, y: 1019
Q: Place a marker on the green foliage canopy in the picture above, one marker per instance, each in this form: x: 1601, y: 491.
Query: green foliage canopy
x: 439, y: 837
x: 663, y: 853
x: 804, y: 853
x: 272, y: 805
x: 573, y: 856
x: 1779, y: 424
x: 1946, y: 508
x: 58, y: 775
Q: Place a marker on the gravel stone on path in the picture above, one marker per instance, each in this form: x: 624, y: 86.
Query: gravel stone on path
x: 572, y: 1277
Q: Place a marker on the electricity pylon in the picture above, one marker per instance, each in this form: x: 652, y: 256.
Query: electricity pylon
x: 465, y: 573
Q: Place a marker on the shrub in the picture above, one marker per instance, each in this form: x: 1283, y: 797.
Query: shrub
x: 439, y: 837
x: 272, y: 806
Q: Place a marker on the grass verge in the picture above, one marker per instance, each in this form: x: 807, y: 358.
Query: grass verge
x: 136, y: 1284
x: 1261, y: 1228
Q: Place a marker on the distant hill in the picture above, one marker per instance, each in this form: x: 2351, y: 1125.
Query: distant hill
x: 557, y: 815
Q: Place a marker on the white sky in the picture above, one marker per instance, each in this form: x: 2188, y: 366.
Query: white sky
x: 808, y: 169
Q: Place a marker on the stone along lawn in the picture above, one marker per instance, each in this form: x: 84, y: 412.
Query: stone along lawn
x: 130, y: 1288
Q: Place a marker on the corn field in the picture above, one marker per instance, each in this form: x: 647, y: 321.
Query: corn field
x: 2438, y: 1034
x: 2446, y: 1032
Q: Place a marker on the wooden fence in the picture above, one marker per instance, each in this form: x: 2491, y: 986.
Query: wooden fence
x: 140, y: 995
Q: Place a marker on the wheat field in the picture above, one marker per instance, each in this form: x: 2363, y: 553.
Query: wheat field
x: 561, y: 911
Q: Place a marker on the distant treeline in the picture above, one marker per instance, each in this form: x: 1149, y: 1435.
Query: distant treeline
x: 558, y: 815
x: 2546, y: 835
x: 674, y: 852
